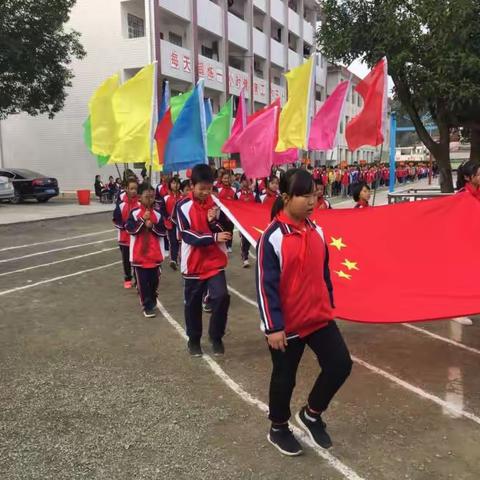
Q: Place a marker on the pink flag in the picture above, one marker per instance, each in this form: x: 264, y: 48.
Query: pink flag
x: 257, y: 143
x: 288, y: 156
x: 324, y: 128
x: 239, y: 124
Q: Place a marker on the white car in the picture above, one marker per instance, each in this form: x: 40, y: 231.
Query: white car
x: 7, y: 191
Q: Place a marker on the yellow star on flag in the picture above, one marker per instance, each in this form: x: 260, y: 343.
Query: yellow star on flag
x: 342, y: 274
x: 350, y: 265
x: 337, y: 243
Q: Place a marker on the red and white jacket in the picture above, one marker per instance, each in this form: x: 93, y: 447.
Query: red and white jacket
x: 361, y: 204
x: 226, y: 193
x: 294, y: 289
x: 245, y: 195
x: 268, y: 198
x: 120, y: 217
x: 171, y: 200
x: 147, y: 245
x: 323, y: 204
x: 202, y: 257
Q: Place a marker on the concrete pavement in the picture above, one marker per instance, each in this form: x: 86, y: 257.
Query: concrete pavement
x: 93, y: 390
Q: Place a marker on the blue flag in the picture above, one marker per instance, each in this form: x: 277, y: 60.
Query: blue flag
x: 186, y: 146
x: 165, y: 101
x: 208, y: 112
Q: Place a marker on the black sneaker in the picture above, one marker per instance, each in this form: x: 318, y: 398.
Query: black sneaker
x: 149, y: 313
x: 283, y: 440
x: 194, y: 348
x: 206, y: 307
x: 217, y: 347
x: 316, y: 429
x: 173, y: 265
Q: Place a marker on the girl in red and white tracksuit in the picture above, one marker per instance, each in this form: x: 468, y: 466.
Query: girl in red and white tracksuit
x: 297, y: 309
x: 226, y: 192
x: 170, y: 200
x: 120, y: 217
x: 271, y: 192
x: 147, y: 247
x: 245, y: 194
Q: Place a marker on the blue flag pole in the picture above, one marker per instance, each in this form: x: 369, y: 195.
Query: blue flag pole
x: 393, y: 144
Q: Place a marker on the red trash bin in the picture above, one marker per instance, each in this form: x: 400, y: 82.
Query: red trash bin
x: 83, y: 197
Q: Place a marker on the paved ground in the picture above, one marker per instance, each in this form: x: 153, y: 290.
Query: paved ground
x: 68, y: 207
x: 31, y: 210
x: 93, y: 390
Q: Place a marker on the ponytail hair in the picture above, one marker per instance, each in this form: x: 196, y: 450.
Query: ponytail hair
x: 295, y: 183
x: 466, y: 170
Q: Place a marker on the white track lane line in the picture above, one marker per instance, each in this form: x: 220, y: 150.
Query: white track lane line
x: 58, y: 261
x: 406, y: 325
x: 50, y: 280
x: 57, y: 250
x: 56, y: 240
x: 442, y: 339
x: 402, y: 383
x: 334, y: 462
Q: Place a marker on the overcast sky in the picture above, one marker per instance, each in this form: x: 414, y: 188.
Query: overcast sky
x: 360, y: 69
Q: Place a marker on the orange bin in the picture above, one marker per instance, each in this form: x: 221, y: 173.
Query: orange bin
x: 83, y: 197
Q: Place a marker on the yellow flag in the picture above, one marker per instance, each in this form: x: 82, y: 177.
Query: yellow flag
x: 133, y: 107
x: 294, y: 118
x: 102, y: 120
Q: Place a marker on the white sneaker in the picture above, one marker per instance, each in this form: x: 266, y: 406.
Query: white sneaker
x: 463, y: 320
x: 229, y: 250
x: 246, y: 264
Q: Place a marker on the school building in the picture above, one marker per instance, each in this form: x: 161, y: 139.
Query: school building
x: 231, y: 44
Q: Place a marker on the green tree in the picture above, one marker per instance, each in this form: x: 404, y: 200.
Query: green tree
x: 433, y: 50
x: 35, y: 54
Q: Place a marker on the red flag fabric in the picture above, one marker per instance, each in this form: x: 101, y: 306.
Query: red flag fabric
x: 161, y: 134
x: 399, y: 263
x: 368, y: 127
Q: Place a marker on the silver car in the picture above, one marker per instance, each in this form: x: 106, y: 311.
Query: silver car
x: 6, y: 189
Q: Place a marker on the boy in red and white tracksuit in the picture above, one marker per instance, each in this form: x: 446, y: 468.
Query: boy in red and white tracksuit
x: 120, y: 217
x: 147, y: 247
x: 203, y: 261
x: 226, y: 192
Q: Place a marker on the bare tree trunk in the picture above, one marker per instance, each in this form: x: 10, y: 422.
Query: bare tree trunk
x: 441, y: 150
x: 475, y: 143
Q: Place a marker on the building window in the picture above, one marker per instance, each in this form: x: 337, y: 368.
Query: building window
x: 175, y: 39
x: 341, y: 126
x: 318, y: 95
x: 136, y: 26
x: 207, y: 52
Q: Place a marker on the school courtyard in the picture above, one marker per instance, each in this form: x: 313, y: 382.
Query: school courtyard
x: 90, y: 389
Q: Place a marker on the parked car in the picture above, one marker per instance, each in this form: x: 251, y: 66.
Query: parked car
x: 28, y: 184
x: 7, y: 192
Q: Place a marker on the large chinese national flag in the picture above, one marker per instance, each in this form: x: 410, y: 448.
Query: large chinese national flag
x: 401, y: 263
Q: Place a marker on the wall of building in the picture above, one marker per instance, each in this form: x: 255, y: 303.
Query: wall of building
x: 55, y: 147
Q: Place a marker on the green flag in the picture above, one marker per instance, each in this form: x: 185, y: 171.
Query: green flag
x: 176, y: 104
x: 87, y: 138
x: 219, y: 130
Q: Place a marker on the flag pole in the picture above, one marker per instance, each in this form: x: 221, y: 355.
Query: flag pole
x: 376, y: 178
x: 118, y: 171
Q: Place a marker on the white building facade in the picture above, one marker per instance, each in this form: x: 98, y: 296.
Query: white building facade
x: 230, y: 43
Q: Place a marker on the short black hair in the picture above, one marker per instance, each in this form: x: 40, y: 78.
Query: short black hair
x: 467, y: 169
x: 131, y: 180
x: 144, y: 187
x: 185, y: 183
x: 295, y: 183
x: 357, y: 188
x: 202, y: 173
